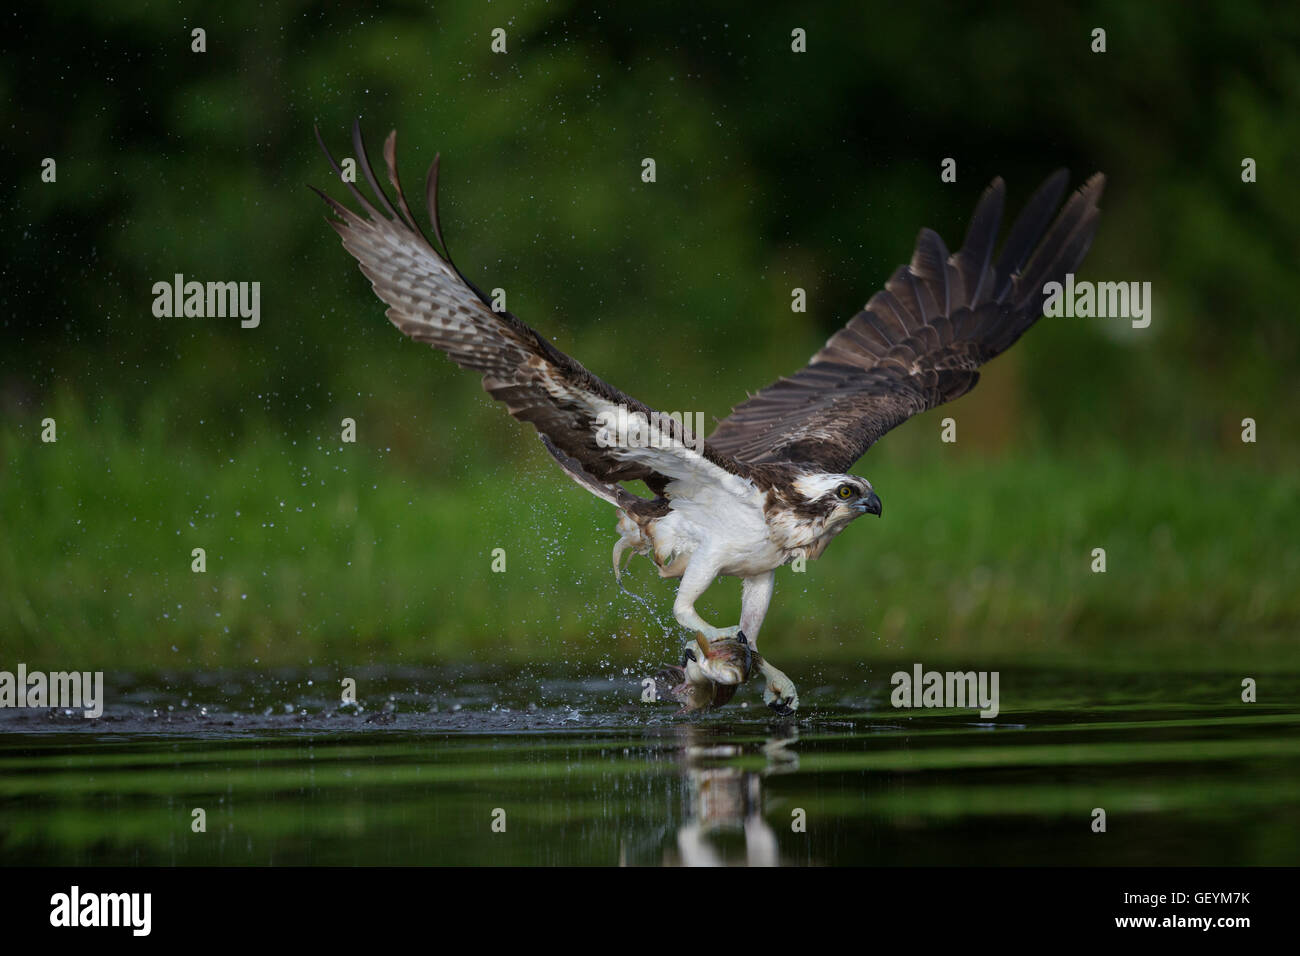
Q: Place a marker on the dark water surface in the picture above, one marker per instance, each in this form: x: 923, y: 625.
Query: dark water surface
x: 585, y: 774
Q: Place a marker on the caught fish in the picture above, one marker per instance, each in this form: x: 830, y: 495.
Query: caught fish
x: 709, y: 673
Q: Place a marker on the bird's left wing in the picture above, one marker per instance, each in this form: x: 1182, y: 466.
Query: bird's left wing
x: 431, y: 301
x: 919, y: 341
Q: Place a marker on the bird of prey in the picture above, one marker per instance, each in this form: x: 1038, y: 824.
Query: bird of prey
x: 770, y: 484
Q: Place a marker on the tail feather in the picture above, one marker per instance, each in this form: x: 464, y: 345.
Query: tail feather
x: 614, y: 494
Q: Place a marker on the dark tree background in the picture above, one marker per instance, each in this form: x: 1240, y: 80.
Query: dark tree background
x: 775, y: 170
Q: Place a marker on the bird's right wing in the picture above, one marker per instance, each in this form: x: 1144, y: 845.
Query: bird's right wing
x: 431, y: 301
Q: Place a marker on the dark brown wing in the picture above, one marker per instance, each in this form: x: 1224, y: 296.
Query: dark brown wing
x: 431, y: 301
x: 919, y: 341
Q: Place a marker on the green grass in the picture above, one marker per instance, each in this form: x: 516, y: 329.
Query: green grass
x: 318, y: 551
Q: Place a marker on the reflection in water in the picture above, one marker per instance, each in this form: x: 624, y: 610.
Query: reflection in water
x: 724, y: 804
x: 288, y: 778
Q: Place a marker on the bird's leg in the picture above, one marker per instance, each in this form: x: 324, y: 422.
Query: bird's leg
x: 699, y: 666
x: 755, y: 596
x: 779, y: 694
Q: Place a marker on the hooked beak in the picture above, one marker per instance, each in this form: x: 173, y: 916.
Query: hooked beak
x: 870, y: 504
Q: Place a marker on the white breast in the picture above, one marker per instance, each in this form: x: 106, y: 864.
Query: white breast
x: 732, y: 530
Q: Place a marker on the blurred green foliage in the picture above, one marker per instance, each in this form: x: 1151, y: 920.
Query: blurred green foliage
x: 774, y: 170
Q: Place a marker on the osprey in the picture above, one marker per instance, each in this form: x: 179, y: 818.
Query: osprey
x: 769, y: 484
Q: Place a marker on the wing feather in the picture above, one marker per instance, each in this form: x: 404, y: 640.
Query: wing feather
x: 919, y: 341
x: 431, y: 301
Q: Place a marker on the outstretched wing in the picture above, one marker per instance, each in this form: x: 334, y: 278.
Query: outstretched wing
x: 919, y: 341
x: 431, y: 301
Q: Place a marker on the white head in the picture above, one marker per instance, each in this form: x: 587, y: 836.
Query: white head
x: 838, y: 499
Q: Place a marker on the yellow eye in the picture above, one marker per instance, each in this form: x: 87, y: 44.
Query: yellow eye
x: 844, y: 491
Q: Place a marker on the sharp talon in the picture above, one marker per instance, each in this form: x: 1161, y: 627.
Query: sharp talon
x: 740, y: 636
x: 687, y: 655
